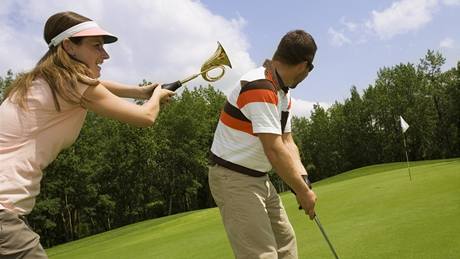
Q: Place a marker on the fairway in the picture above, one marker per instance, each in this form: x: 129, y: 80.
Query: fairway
x: 371, y: 212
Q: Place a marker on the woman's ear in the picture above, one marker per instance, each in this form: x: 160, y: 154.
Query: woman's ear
x: 69, y: 47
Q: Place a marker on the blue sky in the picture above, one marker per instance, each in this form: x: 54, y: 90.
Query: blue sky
x: 350, y: 53
x: 166, y: 40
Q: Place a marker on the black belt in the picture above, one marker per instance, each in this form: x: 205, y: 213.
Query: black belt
x: 235, y: 167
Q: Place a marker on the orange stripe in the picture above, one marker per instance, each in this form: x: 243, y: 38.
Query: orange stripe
x: 235, y: 123
x: 257, y: 95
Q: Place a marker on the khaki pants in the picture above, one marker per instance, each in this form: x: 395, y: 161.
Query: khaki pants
x: 253, y: 215
x: 17, y: 240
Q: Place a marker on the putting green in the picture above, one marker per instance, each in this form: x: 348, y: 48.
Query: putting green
x: 371, y: 212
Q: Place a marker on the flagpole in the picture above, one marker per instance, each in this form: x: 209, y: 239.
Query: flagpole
x: 404, y: 127
x: 407, y: 157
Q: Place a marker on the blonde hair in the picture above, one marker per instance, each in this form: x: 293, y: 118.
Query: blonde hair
x: 56, y: 67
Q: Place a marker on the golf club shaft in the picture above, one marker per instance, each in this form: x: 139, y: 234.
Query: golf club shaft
x: 307, y: 181
x: 325, y: 236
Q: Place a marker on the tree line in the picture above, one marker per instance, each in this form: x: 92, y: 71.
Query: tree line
x: 116, y: 174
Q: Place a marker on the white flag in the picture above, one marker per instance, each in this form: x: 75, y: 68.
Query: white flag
x: 404, y: 124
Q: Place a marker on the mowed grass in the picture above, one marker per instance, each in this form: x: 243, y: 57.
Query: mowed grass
x: 371, y: 212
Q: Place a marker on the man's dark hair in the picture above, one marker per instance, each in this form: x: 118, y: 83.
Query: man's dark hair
x: 295, y: 47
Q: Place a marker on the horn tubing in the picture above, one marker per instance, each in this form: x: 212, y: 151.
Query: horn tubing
x: 210, y: 78
x: 217, y: 60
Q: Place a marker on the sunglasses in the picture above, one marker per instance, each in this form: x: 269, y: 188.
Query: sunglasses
x: 310, y: 66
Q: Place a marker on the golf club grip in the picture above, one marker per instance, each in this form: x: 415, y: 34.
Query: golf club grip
x: 307, y: 181
x: 172, y: 86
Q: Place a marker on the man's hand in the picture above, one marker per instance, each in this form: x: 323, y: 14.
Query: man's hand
x: 307, y: 201
x: 312, y: 199
x: 288, y: 168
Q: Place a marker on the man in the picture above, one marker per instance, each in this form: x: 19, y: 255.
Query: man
x: 254, y: 134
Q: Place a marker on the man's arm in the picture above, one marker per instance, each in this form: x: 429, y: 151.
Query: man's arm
x: 288, y: 169
x: 294, y: 150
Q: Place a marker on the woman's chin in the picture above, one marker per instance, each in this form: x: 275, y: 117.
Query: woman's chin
x: 95, y: 74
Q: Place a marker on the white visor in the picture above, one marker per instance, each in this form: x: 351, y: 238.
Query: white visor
x: 83, y: 29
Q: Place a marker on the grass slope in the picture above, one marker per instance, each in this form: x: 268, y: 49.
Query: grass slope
x: 371, y: 212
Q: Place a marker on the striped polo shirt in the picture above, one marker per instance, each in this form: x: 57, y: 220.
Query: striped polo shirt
x: 254, y: 106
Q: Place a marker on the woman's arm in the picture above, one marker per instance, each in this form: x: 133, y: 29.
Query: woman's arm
x: 100, y: 100
x: 129, y: 91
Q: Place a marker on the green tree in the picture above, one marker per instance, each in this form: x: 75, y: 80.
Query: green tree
x: 116, y: 174
x: 184, y: 132
x: 5, y: 82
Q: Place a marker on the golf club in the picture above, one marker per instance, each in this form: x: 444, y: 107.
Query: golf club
x: 318, y: 222
x: 316, y: 219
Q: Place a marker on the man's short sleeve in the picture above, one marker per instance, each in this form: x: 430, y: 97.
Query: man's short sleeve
x: 258, y: 102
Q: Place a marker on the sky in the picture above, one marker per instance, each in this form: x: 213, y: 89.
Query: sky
x: 167, y: 40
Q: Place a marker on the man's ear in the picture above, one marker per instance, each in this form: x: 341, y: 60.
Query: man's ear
x: 69, y: 47
x: 300, y: 67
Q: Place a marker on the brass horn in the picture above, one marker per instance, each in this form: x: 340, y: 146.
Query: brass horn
x: 218, y: 60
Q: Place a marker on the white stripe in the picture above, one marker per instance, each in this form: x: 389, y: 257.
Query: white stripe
x: 240, y: 148
x: 71, y: 31
x: 264, y: 117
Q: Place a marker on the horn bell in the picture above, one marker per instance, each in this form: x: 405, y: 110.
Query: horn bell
x: 218, y: 60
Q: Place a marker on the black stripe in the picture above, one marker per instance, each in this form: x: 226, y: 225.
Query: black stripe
x: 257, y: 84
x: 235, y: 112
x: 284, y: 117
x: 235, y: 167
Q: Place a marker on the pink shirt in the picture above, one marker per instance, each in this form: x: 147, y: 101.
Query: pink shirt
x: 30, y: 140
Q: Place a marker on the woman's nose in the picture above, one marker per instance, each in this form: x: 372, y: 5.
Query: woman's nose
x: 105, y: 55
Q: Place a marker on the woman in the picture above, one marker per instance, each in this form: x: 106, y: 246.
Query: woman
x: 43, y: 113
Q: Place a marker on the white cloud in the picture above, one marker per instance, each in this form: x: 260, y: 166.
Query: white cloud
x: 349, y: 33
x: 451, y: 2
x: 351, y: 26
x: 302, y: 108
x: 161, y: 41
x: 403, y: 16
x: 447, y: 43
x: 337, y: 38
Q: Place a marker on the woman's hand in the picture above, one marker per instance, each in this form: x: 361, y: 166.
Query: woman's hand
x: 147, y: 90
x: 164, y: 95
